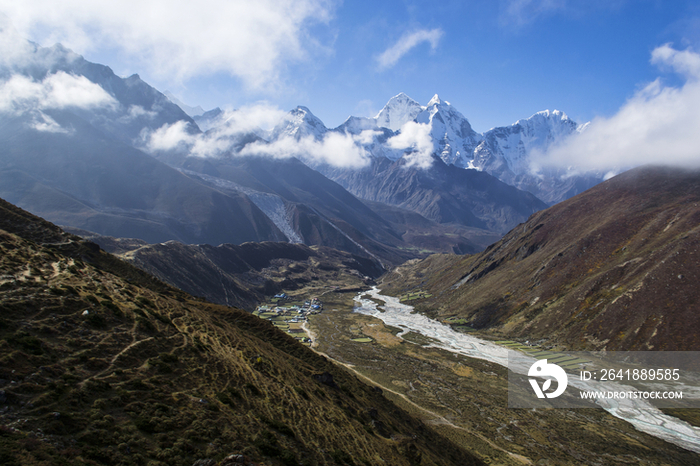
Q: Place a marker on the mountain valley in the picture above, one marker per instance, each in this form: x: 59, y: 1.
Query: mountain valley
x: 127, y: 333
x: 98, y: 386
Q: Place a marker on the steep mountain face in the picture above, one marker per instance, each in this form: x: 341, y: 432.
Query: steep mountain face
x: 136, y: 105
x: 107, y: 365
x: 505, y: 153
x: 89, y: 180
x: 453, y: 138
x: 442, y: 193
x: 311, y: 209
x: 613, y: 268
x: 511, y: 145
x: 300, y: 123
x: 398, y: 111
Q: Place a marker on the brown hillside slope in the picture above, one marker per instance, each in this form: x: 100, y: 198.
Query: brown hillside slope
x: 102, y: 364
x: 243, y: 275
x: 615, y: 267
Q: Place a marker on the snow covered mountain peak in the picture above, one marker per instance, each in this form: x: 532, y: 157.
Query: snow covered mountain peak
x: 398, y: 111
x: 453, y: 138
x: 552, y: 117
x: 300, y: 123
x: 543, y: 127
x: 436, y: 101
x: 503, y: 151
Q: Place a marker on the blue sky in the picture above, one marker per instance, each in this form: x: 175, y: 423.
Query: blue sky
x: 495, y: 61
x: 498, y: 65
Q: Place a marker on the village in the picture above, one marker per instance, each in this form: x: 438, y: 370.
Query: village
x: 290, y: 317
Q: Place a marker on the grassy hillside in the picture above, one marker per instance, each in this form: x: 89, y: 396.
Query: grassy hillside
x: 102, y: 364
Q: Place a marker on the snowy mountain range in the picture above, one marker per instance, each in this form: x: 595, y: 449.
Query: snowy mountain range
x: 504, y: 152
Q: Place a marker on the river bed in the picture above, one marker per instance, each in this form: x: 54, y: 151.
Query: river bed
x: 639, y: 413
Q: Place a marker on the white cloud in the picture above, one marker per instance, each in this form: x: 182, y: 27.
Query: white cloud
x: 341, y: 150
x: 65, y: 90
x: 23, y: 95
x: 179, y: 39
x: 169, y: 137
x: 56, y: 91
x: 658, y: 125
x: 367, y: 136
x: 416, y: 140
x: 225, y: 136
x: 251, y: 118
x: 408, y: 41
x: 336, y: 149
x: 686, y: 62
x: 222, y: 139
